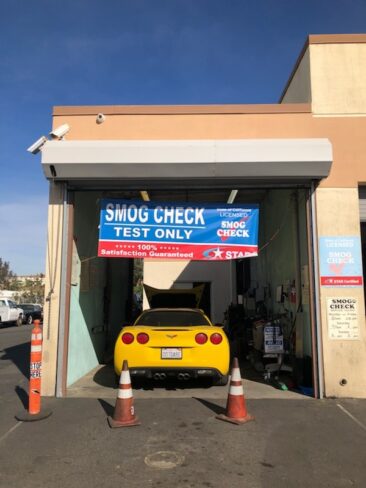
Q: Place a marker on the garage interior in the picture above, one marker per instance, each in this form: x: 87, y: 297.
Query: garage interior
x: 253, y: 297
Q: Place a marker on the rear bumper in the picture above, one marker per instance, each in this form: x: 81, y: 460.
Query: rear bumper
x: 189, y: 373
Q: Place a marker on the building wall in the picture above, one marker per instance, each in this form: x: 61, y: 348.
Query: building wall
x: 86, y: 329
x: 338, y: 79
x: 338, y: 215
x: 338, y: 98
x: 163, y: 274
x: 299, y: 88
x: 52, y: 289
x: 345, y: 133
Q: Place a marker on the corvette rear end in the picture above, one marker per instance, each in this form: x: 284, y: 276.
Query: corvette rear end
x: 179, y: 343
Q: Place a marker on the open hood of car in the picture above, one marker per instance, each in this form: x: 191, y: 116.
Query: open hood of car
x: 174, y: 297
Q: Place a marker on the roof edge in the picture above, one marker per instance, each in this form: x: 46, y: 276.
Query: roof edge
x: 294, y: 69
x: 337, y: 39
x: 322, y: 39
x: 181, y: 109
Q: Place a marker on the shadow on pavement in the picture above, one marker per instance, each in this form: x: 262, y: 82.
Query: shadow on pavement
x: 23, y: 396
x: 105, y: 376
x: 19, y: 355
x: 212, y: 406
x: 107, y: 407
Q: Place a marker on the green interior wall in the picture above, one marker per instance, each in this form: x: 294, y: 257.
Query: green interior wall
x: 283, y: 252
x: 118, y: 295
x: 86, y: 329
x: 100, y: 293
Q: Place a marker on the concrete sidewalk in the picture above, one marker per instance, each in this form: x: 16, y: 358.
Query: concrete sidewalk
x: 291, y: 443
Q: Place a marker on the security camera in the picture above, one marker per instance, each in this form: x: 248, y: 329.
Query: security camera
x: 59, y: 132
x: 36, y: 146
x: 100, y: 118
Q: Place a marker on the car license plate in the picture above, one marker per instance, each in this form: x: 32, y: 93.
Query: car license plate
x: 171, y: 353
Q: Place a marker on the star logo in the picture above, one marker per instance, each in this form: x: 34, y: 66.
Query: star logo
x: 214, y: 253
x: 217, y: 253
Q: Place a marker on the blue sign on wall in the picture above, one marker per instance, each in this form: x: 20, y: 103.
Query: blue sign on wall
x: 340, y: 261
x: 165, y: 230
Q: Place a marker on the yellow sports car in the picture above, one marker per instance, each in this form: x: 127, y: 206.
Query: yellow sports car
x: 173, y: 342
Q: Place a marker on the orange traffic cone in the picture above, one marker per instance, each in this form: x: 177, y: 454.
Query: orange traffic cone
x: 236, y: 410
x: 124, y: 411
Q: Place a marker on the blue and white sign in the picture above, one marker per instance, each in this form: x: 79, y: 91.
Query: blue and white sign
x: 340, y: 261
x: 166, y: 230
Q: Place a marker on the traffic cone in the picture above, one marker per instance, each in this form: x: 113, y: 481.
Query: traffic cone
x: 34, y: 406
x: 236, y: 410
x: 124, y: 411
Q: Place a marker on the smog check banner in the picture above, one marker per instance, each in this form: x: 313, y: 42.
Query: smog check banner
x: 137, y: 229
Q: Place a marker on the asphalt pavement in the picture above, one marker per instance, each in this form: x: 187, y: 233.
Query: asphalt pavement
x: 180, y: 443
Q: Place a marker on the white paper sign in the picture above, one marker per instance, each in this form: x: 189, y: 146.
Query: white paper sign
x: 343, y: 318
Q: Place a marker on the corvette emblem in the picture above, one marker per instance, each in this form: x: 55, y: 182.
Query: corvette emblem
x: 171, y: 336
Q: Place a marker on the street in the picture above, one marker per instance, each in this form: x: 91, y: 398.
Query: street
x: 291, y: 443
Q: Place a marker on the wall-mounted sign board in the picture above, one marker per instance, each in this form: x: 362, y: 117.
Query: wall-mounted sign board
x: 342, y: 315
x: 340, y: 261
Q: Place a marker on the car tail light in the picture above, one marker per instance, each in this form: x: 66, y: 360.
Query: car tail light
x: 142, y: 338
x: 216, y: 338
x: 127, y: 338
x: 201, y: 338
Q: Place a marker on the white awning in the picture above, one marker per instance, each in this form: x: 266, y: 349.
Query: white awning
x: 189, y: 161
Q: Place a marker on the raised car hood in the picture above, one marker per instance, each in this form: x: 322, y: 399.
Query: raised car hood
x: 174, y: 298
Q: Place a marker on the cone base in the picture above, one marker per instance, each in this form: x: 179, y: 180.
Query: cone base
x: 25, y: 416
x: 113, y: 424
x: 241, y: 421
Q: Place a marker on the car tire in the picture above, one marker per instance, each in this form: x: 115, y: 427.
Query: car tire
x: 222, y: 381
x: 30, y: 320
x: 19, y: 321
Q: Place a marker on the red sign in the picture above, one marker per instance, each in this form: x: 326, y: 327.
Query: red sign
x: 341, y: 281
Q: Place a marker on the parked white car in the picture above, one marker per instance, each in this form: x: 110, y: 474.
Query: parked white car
x: 9, y: 312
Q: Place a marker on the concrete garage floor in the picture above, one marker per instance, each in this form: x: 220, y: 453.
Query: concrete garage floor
x: 100, y: 383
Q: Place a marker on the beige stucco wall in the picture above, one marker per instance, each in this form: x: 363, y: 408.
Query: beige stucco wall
x: 338, y: 215
x: 347, y: 134
x: 162, y: 274
x: 338, y: 78
x: 299, y: 89
x: 52, y: 289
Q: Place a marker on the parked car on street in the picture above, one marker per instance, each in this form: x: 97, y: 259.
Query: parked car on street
x: 31, y: 312
x: 10, y: 312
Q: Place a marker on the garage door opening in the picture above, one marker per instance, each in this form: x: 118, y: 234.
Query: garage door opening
x: 263, y: 302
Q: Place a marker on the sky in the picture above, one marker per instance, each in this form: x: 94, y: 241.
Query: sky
x: 134, y: 52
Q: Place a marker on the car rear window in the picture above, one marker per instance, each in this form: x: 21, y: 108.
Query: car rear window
x: 171, y: 318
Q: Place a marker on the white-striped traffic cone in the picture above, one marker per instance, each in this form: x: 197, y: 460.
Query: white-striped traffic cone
x: 236, y: 410
x: 124, y: 411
